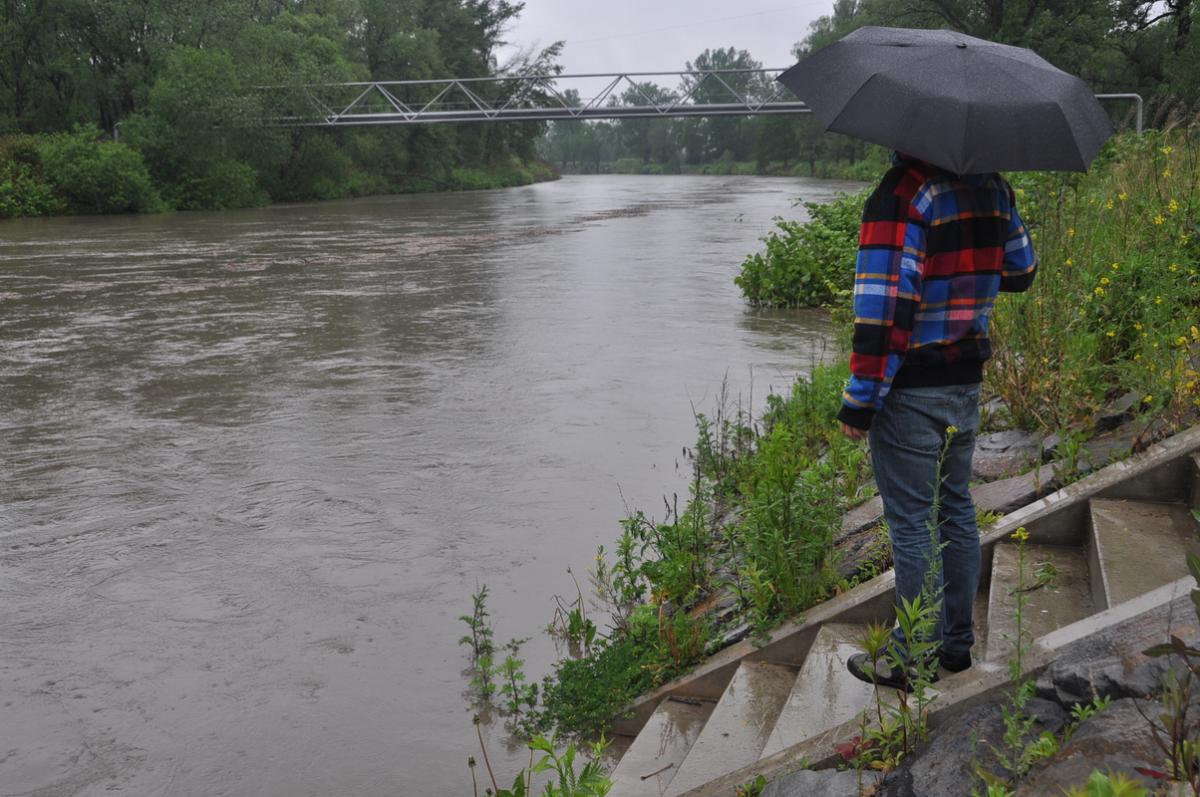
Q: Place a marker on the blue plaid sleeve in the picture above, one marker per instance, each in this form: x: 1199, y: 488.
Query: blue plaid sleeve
x: 1020, y: 261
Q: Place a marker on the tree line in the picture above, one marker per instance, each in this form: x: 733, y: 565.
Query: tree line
x: 176, y: 82
x: 1116, y: 46
x: 179, y: 84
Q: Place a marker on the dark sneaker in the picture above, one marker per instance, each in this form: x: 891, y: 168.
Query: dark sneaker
x: 882, y: 673
x: 955, y: 662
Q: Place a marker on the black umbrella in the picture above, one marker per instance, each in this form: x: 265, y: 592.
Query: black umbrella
x: 965, y: 104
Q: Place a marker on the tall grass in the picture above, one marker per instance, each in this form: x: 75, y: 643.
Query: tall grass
x: 1114, y: 306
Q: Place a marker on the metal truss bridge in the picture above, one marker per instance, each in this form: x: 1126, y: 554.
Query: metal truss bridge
x: 531, y: 98
x: 541, y: 98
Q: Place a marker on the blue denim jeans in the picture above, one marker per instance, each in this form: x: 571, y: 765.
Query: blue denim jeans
x: 907, y: 437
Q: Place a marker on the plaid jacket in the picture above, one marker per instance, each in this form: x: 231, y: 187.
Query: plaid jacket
x: 934, y: 250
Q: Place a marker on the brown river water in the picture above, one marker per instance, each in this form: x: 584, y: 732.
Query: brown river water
x: 253, y: 464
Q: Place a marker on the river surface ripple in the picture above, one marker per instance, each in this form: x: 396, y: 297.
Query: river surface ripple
x: 253, y: 464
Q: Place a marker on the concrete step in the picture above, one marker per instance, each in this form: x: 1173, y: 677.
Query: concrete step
x: 739, y: 726
x: 1137, y: 546
x: 825, y: 693
x: 1061, y: 601
x: 979, y: 613
x: 1194, y: 487
x: 653, y: 759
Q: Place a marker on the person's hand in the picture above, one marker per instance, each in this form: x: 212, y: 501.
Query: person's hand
x: 853, y: 432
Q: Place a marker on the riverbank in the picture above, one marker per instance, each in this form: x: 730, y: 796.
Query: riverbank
x: 866, y: 168
x: 86, y: 173
x: 1097, y: 360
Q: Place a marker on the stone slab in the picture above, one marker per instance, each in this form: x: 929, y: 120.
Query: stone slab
x: 653, y: 759
x: 739, y: 725
x: 1137, y: 546
x: 1008, y: 495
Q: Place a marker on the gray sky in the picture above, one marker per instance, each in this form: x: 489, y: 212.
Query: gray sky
x: 662, y: 35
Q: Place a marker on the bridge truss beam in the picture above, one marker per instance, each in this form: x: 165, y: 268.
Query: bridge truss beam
x: 531, y: 98
x: 541, y: 98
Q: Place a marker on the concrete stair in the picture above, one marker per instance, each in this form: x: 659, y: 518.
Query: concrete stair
x: 1136, y: 546
x: 825, y: 693
x: 739, y: 725
x: 1096, y: 547
x: 652, y: 761
x: 1049, y: 604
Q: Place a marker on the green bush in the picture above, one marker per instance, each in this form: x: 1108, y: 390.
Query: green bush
x: 24, y: 190
x: 224, y: 185
x: 92, y: 175
x: 806, y: 263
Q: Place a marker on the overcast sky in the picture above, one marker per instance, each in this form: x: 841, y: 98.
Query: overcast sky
x: 661, y: 35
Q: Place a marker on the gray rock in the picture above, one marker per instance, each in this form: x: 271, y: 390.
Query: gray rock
x: 1060, y: 776
x: 947, y: 765
x: 1116, y: 739
x: 1002, y: 454
x: 1121, y: 728
x: 1006, y: 440
x: 1118, y: 411
x: 1071, y: 682
x: 822, y: 783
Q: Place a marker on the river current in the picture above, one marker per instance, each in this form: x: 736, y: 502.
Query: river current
x: 253, y: 464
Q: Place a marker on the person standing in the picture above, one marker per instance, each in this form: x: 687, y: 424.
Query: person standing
x: 935, y: 248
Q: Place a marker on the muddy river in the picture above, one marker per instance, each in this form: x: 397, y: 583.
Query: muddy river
x: 253, y: 464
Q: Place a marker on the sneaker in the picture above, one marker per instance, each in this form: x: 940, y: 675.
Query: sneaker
x: 882, y: 674
x: 955, y: 662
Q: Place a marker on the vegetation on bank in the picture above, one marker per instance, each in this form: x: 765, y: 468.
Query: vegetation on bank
x: 1114, y: 308
x: 85, y: 172
x: 179, y: 86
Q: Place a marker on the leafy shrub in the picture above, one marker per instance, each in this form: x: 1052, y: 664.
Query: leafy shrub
x: 583, y: 695
x: 806, y: 263
x: 224, y: 185
x: 24, y: 190
x: 92, y: 175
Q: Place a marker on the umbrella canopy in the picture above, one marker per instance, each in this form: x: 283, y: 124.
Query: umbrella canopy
x: 962, y: 103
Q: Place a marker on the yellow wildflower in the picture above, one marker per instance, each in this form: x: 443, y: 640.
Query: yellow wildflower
x: 1167, y: 150
x: 1021, y: 535
x: 1174, y: 267
x: 1166, y: 172
x: 1099, y: 291
x: 1069, y: 262
x: 1105, y: 281
x: 1070, y: 232
x: 1109, y: 204
x: 1181, y: 341
x: 1116, y: 266
x: 1111, y: 334
x: 1195, y: 332
x: 1158, y: 300
x: 1137, y: 325
x: 1148, y: 398
x: 1173, y: 206
x: 1159, y: 219
x: 1122, y: 196
x: 951, y: 430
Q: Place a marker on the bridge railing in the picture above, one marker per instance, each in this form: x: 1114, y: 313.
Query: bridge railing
x: 536, y: 98
x: 716, y: 92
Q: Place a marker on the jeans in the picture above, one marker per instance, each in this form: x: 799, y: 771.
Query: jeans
x: 907, y: 437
